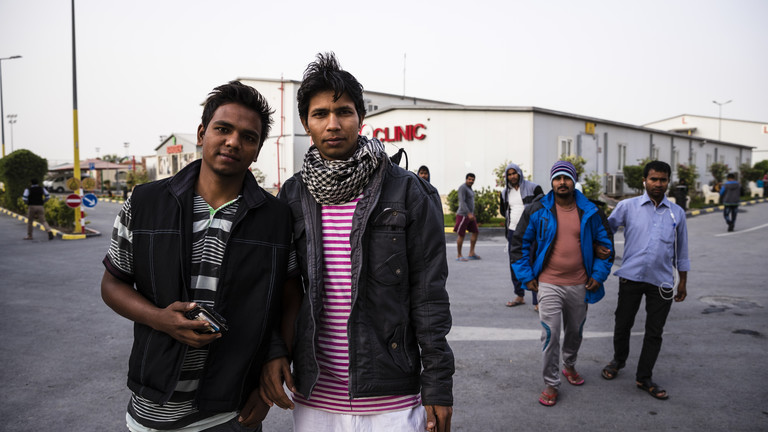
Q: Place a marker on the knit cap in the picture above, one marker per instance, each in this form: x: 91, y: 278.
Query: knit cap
x: 563, y: 168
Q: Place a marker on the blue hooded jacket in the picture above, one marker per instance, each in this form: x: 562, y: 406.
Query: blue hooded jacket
x: 532, y: 242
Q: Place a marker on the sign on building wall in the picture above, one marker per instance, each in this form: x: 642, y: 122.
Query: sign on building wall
x: 395, y: 133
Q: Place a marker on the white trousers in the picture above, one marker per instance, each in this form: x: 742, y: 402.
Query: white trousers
x: 307, y: 419
x: 560, y: 306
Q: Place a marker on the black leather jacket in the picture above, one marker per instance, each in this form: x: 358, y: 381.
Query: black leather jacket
x: 249, y: 293
x: 400, y: 309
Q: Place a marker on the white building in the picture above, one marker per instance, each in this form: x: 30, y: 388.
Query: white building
x: 453, y: 140
x: 749, y: 133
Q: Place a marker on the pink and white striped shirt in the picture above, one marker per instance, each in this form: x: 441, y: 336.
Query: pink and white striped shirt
x: 332, y: 390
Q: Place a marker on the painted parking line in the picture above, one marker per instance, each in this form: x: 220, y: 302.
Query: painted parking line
x: 742, y: 231
x: 461, y: 333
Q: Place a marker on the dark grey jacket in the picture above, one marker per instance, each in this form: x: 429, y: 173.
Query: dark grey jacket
x: 400, y: 309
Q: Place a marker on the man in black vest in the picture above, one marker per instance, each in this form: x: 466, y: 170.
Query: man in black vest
x: 35, y: 196
x: 208, y: 237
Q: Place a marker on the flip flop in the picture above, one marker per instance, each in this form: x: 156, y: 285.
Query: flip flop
x: 574, y: 379
x: 652, y: 389
x: 474, y: 257
x: 461, y: 259
x: 516, y: 303
x: 547, y: 399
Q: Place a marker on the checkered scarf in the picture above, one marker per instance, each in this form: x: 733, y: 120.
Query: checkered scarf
x: 341, y: 181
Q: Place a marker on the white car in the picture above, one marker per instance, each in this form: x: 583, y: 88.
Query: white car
x: 57, y: 183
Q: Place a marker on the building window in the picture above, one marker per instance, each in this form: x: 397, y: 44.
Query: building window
x: 622, y: 156
x: 709, y: 160
x: 654, y: 153
x: 675, y: 159
x: 565, y: 146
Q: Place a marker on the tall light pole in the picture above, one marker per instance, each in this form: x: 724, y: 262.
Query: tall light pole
x: 11, y: 120
x: 2, y: 129
x: 720, y: 116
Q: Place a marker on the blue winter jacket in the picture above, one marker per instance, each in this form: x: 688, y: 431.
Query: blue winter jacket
x: 536, y: 231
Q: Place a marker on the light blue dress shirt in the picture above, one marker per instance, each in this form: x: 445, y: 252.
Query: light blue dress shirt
x: 654, y: 237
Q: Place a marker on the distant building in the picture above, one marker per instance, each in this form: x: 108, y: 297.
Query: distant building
x: 749, y: 133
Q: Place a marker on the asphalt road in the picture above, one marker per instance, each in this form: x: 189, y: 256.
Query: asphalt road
x: 64, y: 354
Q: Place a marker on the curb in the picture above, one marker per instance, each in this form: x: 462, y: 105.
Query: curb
x: 692, y: 213
x: 64, y: 236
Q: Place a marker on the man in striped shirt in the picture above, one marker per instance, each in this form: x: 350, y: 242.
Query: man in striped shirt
x: 199, y: 238
x: 370, y: 326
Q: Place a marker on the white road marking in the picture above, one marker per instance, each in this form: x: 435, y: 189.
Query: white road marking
x: 742, y: 231
x: 461, y: 333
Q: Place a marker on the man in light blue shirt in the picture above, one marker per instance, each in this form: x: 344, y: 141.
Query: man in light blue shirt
x: 655, y: 248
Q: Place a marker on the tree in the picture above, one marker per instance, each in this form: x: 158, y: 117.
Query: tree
x: 633, y: 174
x: 687, y: 175
x: 762, y: 166
x: 16, y: 170
x: 718, y: 171
x: 486, y: 205
x: 592, y: 185
x: 111, y: 158
x: 749, y: 174
x: 499, y: 173
x: 136, y: 178
x: 577, y: 161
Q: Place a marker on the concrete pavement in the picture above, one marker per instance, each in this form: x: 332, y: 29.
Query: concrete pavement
x: 65, y: 353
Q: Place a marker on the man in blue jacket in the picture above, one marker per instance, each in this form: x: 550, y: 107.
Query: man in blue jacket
x: 553, y: 255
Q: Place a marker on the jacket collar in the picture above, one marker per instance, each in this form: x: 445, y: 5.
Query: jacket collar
x: 184, y: 182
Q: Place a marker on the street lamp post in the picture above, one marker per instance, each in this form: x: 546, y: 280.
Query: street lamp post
x: 2, y: 128
x: 720, y: 116
x: 11, y: 120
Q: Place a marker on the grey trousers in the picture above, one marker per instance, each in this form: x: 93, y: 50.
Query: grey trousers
x: 560, y: 306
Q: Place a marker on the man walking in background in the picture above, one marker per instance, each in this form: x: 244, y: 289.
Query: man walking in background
x: 35, y: 197
x: 518, y: 194
x: 465, y: 219
x: 731, y: 193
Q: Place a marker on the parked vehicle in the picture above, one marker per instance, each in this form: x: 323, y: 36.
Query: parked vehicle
x: 58, y: 183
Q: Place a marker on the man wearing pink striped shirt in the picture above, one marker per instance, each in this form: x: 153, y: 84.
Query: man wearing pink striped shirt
x: 366, y: 335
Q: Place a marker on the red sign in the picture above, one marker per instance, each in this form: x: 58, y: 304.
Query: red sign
x: 400, y: 133
x: 173, y: 149
x: 73, y: 200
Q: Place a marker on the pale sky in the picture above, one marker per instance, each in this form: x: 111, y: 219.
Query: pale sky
x: 144, y: 67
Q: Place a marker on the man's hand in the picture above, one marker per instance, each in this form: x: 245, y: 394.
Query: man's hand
x: 272, y: 376
x: 533, y: 285
x: 471, y: 216
x: 171, y: 320
x: 591, y: 284
x: 254, y: 411
x: 438, y: 418
x: 681, y: 291
x: 126, y: 301
x: 602, y: 252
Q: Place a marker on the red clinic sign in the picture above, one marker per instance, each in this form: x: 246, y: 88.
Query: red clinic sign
x: 400, y: 133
